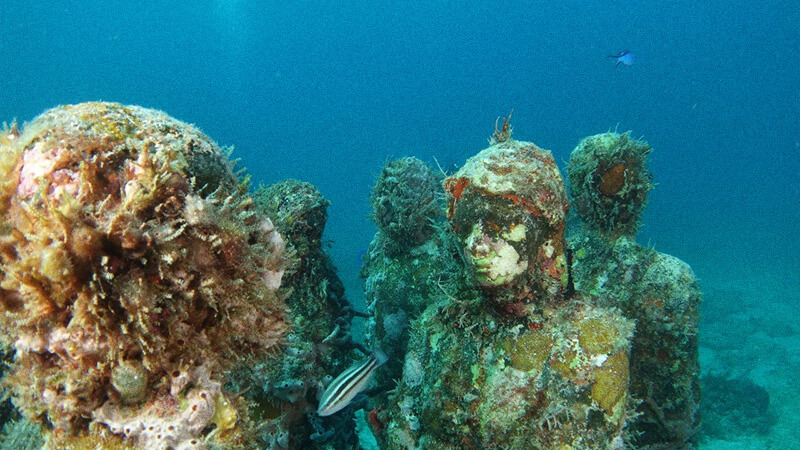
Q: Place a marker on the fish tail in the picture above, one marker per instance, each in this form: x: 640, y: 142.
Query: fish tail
x: 379, y: 356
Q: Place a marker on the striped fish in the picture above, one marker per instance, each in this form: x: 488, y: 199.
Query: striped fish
x: 341, y: 391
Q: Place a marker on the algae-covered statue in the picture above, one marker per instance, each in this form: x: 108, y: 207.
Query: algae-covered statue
x: 144, y: 293
x: 505, y: 354
x: 414, y: 251
x: 609, y: 181
x: 513, y: 350
x: 508, y: 207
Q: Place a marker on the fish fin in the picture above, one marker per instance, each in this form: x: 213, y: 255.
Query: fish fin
x: 380, y: 356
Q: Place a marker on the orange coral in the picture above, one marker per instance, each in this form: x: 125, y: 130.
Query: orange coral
x: 612, y: 180
x: 525, y: 203
x: 456, y: 186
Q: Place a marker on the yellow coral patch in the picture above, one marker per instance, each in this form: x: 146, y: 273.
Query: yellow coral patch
x: 91, y: 442
x: 562, y: 362
x: 110, y: 119
x: 530, y: 351
x: 224, y: 414
x: 597, y: 336
x: 612, y: 382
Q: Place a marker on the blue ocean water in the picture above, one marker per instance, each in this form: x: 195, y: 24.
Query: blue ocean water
x: 326, y: 92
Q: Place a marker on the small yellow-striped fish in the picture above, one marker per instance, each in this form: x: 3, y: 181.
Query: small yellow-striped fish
x: 341, y: 391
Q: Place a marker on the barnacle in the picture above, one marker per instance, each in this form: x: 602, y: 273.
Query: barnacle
x: 130, y: 380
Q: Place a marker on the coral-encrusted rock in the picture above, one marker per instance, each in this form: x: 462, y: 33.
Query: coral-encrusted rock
x: 173, y: 421
x: 130, y: 253
x: 508, y: 206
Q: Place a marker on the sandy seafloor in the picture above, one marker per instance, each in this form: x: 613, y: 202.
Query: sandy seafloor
x: 745, y: 332
x: 746, y: 258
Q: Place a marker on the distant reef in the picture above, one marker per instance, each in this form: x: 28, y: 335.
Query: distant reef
x: 151, y: 298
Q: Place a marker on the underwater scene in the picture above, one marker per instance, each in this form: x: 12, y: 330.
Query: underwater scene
x: 306, y: 224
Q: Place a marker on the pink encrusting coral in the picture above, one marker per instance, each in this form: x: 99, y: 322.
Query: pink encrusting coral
x: 131, y: 254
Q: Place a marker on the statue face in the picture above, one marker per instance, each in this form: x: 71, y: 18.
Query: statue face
x: 508, y: 206
x: 513, y: 254
x: 497, y: 256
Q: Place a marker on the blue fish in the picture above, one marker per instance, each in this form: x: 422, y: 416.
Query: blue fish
x: 624, y: 57
x: 363, y: 256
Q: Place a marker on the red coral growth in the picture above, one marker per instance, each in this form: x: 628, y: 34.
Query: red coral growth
x: 533, y: 326
x: 525, y: 203
x: 374, y: 420
x: 454, y: 186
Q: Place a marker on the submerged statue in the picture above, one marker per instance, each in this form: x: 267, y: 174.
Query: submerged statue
x: 520, y: 345
x: 145, y: 292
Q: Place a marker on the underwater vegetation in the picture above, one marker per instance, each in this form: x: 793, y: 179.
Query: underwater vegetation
x: 21, y: 434
x: 150, y: 299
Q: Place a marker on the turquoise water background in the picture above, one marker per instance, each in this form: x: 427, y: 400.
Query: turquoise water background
x: 326, y: 92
